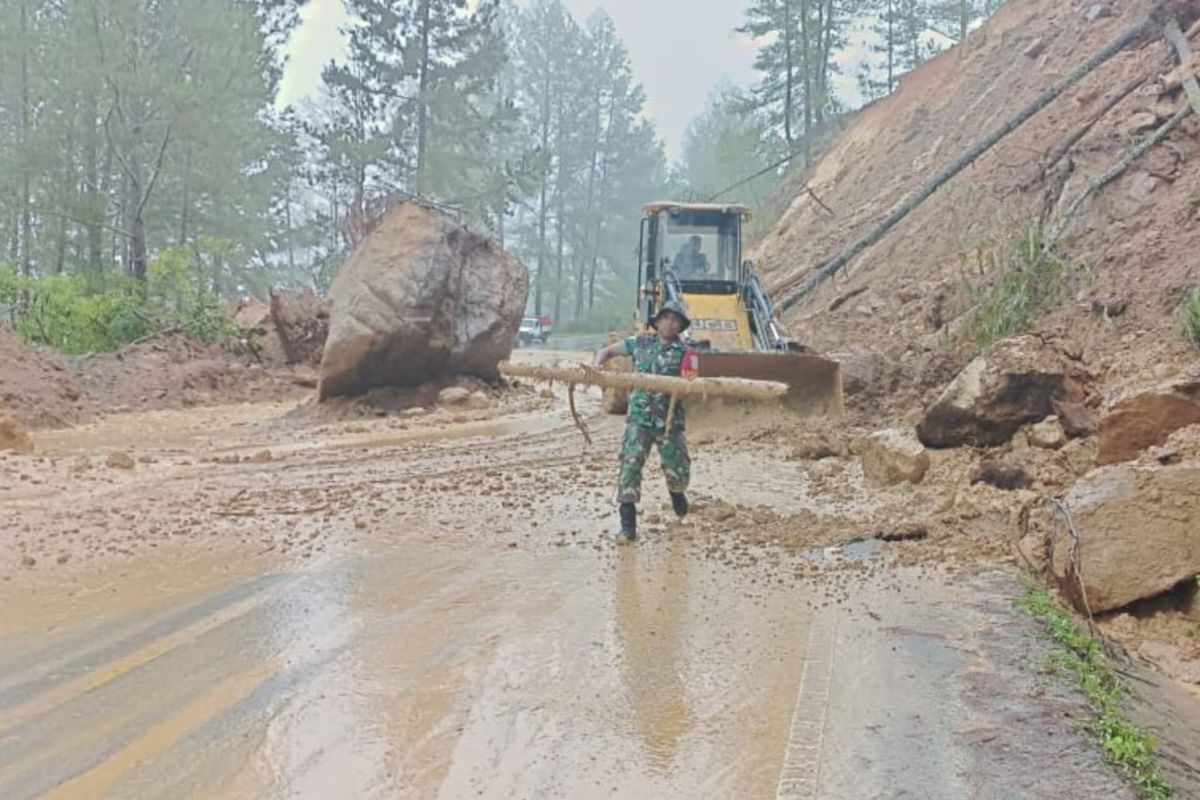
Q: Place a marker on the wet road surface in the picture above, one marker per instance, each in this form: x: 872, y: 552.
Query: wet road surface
x: 493, y: 642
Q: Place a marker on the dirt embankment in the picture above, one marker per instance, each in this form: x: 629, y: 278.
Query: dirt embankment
x: 1102, y: 390
x: 173, y: 371
x: 1131, y: 248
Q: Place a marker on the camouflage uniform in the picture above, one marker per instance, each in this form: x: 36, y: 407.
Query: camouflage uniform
x: 646, y: 422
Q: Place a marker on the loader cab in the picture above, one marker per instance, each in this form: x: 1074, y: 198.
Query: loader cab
x: 670, y: 231
x: 692, y: 249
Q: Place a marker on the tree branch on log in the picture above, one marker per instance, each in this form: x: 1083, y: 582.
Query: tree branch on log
x: 1182, y: 49
x: 826, y: 271
x: 1111, y: 174
x: 1174, y: 35
x: 1062, y: 148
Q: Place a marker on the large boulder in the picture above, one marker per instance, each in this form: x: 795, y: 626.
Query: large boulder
x: 1138, y: 534
x: 421, y: 299
x: 302, y: 323
x: 891, y: 456
x: 1147, y: 417
x: 1015, y: 384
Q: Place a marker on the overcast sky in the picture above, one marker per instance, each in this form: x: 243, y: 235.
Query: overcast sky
x: 680, y: 49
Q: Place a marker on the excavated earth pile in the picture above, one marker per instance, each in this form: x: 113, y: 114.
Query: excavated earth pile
x: 37, y: 388
x: 172, y: 371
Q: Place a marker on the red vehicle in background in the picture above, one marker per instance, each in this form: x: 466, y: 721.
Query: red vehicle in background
x: 534, y: 330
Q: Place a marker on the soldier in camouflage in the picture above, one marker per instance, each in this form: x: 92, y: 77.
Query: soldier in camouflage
x: 658, y: 353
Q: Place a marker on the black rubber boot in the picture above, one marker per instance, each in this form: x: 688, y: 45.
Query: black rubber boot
x: 628, y: 522
x: 679, y: 503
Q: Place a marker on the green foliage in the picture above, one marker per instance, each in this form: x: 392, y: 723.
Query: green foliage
x: 1189, y: 317
x: 72, y: 314
x: 1127, y: 748
x: 1019, y: 284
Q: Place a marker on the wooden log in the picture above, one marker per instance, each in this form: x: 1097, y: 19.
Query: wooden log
x: 1066, y: 145
x: 664, y: 384
x: 1183, y: 50
x: 1174, y: 35
x: 1050, y: 240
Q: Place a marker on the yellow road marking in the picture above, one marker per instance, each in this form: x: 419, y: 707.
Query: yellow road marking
x: 53, y: 698
x: 160, y: 738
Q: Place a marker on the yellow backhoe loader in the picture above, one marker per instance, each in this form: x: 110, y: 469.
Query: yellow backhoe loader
x: 692, y: 253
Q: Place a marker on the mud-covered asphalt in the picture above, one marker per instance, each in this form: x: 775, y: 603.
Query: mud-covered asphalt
x: 271, y: 604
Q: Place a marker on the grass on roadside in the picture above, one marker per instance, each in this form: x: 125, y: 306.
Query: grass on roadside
x: 1020, y: 284
x: 1189, y: 317
x: 1127, y: 748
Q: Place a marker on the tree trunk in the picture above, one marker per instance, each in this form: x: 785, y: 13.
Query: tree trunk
x: 68, y: 190
x: 600, y: 215
x: 423, y: 100
x: 186, y: 203
x: 789, y: 73
x: 891, y: 45
x: 26, y: 237
x: 287, y: 221
x: 138, y: 258
x: 560, y: 207
x: 581, y: 256
x: 92, y: 192
x: 823, y: 64
x: 806, y: 68
x: 541, y: 257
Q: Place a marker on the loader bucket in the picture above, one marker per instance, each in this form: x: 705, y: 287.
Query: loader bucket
x: 814, y: 383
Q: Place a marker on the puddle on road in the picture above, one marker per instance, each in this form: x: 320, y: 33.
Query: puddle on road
x: 176, y: 428
x: 425, y: 668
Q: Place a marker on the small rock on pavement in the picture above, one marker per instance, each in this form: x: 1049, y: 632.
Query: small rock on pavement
x: 892, y: 456
x: 1099, y: 11
x: 453, y: 395
x: 121, y: 460
x: 816, y: 445
x: 28, y: 561
x: 1047, y: 434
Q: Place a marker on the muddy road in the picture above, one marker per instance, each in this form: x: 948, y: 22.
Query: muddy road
x: 262, y: 601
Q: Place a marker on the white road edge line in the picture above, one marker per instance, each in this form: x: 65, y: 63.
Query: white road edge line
x: 800, y: 776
